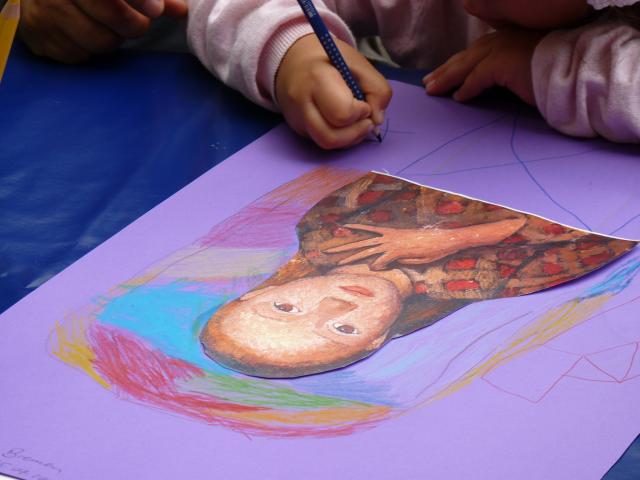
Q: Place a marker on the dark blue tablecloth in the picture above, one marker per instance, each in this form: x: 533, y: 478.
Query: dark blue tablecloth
x: 86, y: 150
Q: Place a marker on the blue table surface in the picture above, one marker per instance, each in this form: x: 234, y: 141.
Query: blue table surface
x: 86, y: 150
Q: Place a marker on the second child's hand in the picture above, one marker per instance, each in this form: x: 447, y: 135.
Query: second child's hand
x: 502, y: 58
x: 72, y: 31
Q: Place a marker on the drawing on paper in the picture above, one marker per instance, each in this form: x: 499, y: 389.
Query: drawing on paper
x: 142, y: 339
x: 382, y: 257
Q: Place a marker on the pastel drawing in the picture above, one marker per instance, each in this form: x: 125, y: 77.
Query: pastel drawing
x: 142, y: 339
x: 382, y: 257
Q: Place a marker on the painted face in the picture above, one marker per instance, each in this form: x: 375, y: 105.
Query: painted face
x: 315, y: 321
x: 539, y: 14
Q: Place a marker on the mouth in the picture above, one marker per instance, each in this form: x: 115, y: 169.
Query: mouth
x: 357, y: 290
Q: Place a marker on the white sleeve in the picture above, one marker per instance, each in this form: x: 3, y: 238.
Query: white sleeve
x: 601, y: 4
x: 242, y: 42
x: 587, y: 81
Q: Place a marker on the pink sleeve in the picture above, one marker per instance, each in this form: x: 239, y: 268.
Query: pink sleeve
x: 587, y: 81
x: 242, y: 42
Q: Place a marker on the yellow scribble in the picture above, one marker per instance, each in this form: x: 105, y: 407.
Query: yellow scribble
x: 551, y: 325
x: 69, y: 344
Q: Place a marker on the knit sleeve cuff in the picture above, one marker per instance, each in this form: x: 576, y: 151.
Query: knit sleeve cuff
x: 286, y: 35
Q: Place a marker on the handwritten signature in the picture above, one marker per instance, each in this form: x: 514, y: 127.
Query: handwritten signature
x: 20, y: 454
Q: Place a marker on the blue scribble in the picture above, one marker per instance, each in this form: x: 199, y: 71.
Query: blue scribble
x: 169, y: 317
x: 617, y: 281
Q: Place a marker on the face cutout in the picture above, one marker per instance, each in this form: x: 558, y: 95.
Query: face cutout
x: 321, y: 319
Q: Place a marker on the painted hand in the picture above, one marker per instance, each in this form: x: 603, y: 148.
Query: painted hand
x: 72, y: 31
x: 316, y: 101
x: 423, y: 245
x: 501, y: 58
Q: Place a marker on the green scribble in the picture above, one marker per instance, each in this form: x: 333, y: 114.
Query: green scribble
x: 261, y: 393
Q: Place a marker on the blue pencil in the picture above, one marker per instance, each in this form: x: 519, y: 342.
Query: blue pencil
x: 335, y: 57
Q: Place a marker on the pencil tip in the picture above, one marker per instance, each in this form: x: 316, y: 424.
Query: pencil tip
x: 379, y: 137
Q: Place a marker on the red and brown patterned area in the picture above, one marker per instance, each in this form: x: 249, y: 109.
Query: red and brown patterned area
x: 539, y: 255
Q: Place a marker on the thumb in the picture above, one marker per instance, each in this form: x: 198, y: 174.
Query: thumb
x: 149, y: 8
x: 175, y: 8
x: 379, y: 98
x: 155, y: 8
x: 375, y: 87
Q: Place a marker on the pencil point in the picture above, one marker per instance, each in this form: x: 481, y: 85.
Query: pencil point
x: 376, y: 133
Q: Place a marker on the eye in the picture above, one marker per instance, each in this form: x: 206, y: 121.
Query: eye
x: 346, y: 329
x: 286, y: 307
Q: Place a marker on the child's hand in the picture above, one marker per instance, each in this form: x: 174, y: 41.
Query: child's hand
x: 316, y: 101
x: 500, y: 58
x: 71, y: 31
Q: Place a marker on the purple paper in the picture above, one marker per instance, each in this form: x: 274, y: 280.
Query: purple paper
x: 540, y: 386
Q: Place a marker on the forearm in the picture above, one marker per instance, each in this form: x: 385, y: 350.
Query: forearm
x: 242, y: 42
x: 587, y: 81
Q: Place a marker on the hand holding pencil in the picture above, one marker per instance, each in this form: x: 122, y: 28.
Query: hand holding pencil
x: 317, y: 102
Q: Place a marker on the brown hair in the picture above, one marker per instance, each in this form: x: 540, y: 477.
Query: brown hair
x: 297, y: 267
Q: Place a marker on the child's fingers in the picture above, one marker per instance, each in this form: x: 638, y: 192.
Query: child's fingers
x: 448, y: 76
x: 375, y: 87
x: 336, y: 103
x: 150, y: 8
x: 429, y: 80
x: 59, y: 47
x: 330, y: 137
x: 175, y: 8
x: 379, y: 100
x: 116, y: 15
x: 377, y: 91
x: 481, y: 78
x: 84, y: 30
x: 453, y: 72
x: 439, y: 81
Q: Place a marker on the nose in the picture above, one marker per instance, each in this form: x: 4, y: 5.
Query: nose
x: 332, y: 307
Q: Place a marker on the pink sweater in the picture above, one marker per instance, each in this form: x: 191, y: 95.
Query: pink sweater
x: 586, y: 81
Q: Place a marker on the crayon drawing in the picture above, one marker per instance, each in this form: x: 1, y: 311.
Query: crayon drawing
x: 142, y: 340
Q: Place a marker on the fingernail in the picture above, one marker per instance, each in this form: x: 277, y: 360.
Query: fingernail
x: 430, y: 84
x: 380, y: 116
x: 153, y: 8
x: 426, y: 78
